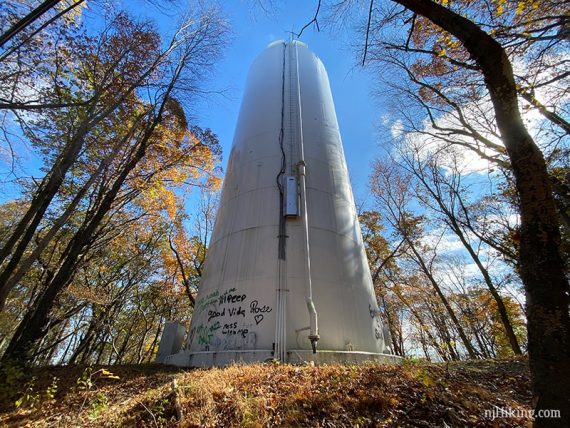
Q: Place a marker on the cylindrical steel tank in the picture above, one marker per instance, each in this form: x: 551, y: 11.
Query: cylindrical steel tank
x: 286, y: 264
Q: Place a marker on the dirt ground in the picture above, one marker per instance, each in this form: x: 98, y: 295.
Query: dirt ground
x: 413, y: 394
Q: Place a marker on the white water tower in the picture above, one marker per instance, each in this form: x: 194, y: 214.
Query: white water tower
x: 286, y: 275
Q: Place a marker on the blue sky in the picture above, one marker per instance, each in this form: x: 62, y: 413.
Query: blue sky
x: 252, y: 29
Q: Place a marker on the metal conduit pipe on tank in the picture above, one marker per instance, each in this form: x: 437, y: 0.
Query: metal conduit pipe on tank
x: 301, y: 171
x: 280, y: 352
x: 314, y: 326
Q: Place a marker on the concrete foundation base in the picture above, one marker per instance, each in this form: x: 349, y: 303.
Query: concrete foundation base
x: 294, y: 356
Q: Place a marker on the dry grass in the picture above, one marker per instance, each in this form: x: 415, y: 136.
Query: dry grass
x: 413, y: 394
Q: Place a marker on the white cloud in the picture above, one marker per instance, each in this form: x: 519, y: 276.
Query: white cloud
x: 397, y: 129
x: 480, y: 115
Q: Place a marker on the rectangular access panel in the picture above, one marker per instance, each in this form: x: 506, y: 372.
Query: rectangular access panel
x: 291, y: 197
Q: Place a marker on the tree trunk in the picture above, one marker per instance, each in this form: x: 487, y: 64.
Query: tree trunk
x: 446, y: 304
x: 87, y: 338
x: 503, y: 314
x: 394, y: 330
x: 27, y: 20
x: 123, y: 349
x: 440, y: 325
x: 25, y: 229
x: 452, y: 222
x: 155, y: 341
x: 35, y: 321
x: 542, y: 269
x: 424, y: 327
x: 10, y: 276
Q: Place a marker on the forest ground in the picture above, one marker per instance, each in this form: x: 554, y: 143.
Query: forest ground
x: 412, y: 394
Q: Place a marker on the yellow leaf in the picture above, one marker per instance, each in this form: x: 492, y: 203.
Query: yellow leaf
x: 501, y: 7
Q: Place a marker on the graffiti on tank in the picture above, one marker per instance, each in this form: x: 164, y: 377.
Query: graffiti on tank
x: 207, y: 300
x: 233, y: 342
x: 205, y: 333
x: 227, y: 297
x: 258, y: 311
x: 255, y: 309
x: 227, y: 323
x: 231, y: 329
x: 212, y: 313
x: 232, y: 325
x: 236, y: 312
